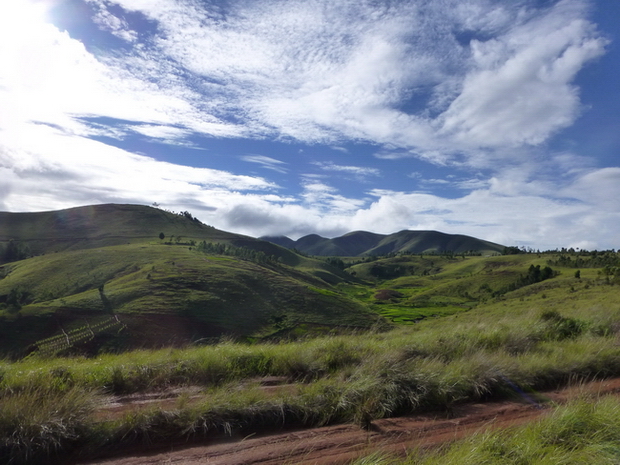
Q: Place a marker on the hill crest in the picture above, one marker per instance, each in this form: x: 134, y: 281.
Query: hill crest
x: 364, y: 243
x: 102, y: 225
x: 128, y: 276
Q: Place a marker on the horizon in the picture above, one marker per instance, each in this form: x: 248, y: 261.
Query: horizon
x: 522, y: 249
x: 493, y: 119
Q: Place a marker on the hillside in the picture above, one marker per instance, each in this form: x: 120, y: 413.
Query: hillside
x: 101, y: 225
x: 396, y: 335
x: 102, y: 278
x: 510, y: 329
x: 105, y: 266
x: 362, y: 243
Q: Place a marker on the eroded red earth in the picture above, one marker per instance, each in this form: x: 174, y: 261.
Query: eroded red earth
x: 342, y: 443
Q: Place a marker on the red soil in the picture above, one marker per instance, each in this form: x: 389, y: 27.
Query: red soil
x: 342, y: 443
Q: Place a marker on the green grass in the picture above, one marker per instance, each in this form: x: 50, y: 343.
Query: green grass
x: 170, y: 294
x: 209, y: 295
x: 38, y: 424
x: 404, y: 315
x: 584, y: 432
x: 460, y: 333
x: 433, y: 286
x: 534, y: 344
x: 108, y: 259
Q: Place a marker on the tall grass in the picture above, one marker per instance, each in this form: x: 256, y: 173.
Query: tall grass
x: 36, y: 425
x: 338, y: 379
x: 583, y: 432
x: 579, y: 433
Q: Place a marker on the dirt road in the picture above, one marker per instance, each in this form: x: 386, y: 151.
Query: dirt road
x: 342, y: 443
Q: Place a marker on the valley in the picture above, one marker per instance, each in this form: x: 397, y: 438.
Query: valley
x: 204, y: 336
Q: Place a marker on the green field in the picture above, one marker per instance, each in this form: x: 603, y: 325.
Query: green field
x: 582, y: 432
x: 150, y: 287
x: 197, y: 283
x: 385, y: 336
x: 523, y: 339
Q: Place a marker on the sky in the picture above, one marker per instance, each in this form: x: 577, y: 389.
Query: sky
x: 498, y: 119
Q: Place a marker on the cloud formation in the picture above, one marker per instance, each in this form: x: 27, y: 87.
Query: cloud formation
x: 266, y: 162
x: 518, y: 90
x: 436, y: 77
x: 476, y: 85
x: 360, y: 172
x: 432, y: 77
x: 53, y: 170
x: 511, y: 209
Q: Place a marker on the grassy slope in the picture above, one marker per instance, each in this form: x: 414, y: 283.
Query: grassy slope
x: 537, y: 337
x: 501, y: 344
x: 579, y: 433
x: 432, y: 241
x: 363, y: 243
x: 409, y: 288
x: 167, y: 293
x: 164, y: 293
x: 100, y: 225
x: 149, y: 284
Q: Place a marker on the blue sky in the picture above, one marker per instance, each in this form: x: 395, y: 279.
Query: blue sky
x: 494, y: 118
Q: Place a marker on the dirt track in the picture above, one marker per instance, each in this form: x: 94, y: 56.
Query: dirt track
x: 340, y: 444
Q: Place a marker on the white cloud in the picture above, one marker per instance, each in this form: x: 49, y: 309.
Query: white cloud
x: 324, y: 198
x: 115, y: 25
x: 453, y: 82
x: 519, y: 90
x: 435, y: 181
x: 266, y: 162
x: 473, y: 184
x: 539, y: 215
x: 322, y: 71
x: 47, y: 76
x: 167, y: 134
x: 316, y: 71
x: 53, y: 170
x: 598, y: 187
x: 358, y: 171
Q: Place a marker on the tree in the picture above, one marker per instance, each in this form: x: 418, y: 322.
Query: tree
x: 161, y: 236
x: 14, y: 251
x: 337, y: 262
x: 512, y: 250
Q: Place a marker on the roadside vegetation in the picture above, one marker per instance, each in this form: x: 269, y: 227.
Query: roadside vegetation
x: 581, y: 432
x: 522, y: 342
x: 344, y: 339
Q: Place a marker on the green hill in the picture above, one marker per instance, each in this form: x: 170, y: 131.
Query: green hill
x: 102, y: 278
x: 408, y: 288
x: 363, y: 243
x: 83, y: 266
x: 471, y: 328
x: 101, y: 225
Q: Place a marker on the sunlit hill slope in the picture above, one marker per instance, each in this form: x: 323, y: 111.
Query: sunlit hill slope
x: 152, y: 278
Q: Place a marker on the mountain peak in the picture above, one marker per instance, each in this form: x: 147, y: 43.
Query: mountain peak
x: 364, y: 243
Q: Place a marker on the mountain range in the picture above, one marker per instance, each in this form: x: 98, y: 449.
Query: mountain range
x: 363, y: 243
x: 115, y: 277
x: 127, y: 276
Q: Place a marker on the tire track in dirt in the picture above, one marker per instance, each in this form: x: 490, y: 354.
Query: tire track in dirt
x: 340, y: 444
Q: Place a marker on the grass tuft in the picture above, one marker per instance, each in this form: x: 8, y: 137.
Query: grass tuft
x: 38, y: 425
x: 583, y: 432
